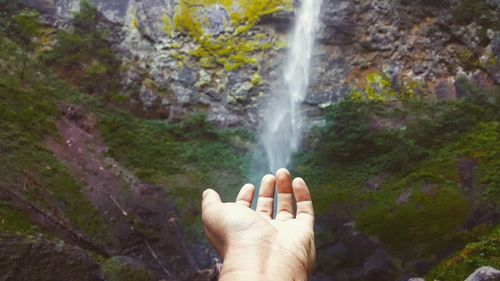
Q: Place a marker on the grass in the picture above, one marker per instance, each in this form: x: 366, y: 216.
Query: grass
x: 27, y: 114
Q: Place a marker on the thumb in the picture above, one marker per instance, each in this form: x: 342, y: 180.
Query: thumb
x: 209, y: 198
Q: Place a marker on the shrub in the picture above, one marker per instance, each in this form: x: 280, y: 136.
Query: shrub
x: 86, y: 47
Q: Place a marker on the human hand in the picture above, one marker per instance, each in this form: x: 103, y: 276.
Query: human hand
x: 255, y: 246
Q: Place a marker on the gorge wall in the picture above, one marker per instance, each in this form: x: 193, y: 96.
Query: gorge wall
x: 222, y: 57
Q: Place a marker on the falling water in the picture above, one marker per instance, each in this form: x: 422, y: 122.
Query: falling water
x: 282, y: 127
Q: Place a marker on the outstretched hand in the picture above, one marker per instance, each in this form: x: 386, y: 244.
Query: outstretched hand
x: 253, y: 244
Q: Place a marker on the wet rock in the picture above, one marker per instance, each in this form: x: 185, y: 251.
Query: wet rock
x: 491, y: 58
x: 219, y: 20
x: 339, y: 251
x: 338, y: 23
x: 204, y: 79
x: 404, y: 197
x: 445, y: 90
x: 485, y: 273
x: 379, y: 267
x: 241, y: 94
x: 495, y: 45
x: 184, y: 94
x: 375, y: 182
x: 281, y: 21
x: 148, y: 96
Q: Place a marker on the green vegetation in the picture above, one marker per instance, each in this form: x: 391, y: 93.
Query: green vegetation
x: 468, y: 60
x: 116, y: 270
x: 394, y: 166
x: 185, y: 158
x: 12, y: 221
x: 86, y: 51
x: 485, y: 252
x: 28, y: 115
x: 25, y: 29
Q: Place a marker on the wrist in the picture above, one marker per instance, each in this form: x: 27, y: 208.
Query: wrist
x: 263, y: 264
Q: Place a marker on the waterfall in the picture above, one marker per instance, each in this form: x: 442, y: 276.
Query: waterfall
x: 282, y: 127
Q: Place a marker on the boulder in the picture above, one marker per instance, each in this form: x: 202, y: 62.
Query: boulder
x: 379, y: 267
x: 485, y: 273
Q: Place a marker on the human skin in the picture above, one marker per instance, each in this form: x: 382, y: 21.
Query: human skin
x: 253, y: 244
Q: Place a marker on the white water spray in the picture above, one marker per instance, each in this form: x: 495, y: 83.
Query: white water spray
x: 283, y: 127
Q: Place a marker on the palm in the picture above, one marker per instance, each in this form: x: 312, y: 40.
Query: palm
x: 236, y: 223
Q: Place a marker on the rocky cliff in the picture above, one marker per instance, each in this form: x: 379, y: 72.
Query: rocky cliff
x: 222, y: 57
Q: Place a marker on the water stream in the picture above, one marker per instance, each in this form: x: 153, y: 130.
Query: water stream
x: 283, y: 121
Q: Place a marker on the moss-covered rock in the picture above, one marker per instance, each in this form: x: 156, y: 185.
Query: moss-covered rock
x: 125, y: 269
x: 35, y: 258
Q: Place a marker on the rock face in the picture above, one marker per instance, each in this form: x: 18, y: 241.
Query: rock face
x: 485, y: 273
x: 180, y: 58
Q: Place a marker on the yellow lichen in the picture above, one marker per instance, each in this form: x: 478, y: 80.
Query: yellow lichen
x: 229, y: 50
x: 135, y: 22
x: 378, y: 87
x: 257, y: 79
x: 167, y: 25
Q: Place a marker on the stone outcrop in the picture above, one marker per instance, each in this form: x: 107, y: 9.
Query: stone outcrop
x: 485, y: 273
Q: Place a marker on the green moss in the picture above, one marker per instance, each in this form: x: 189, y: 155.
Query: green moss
x: 179, y: 56
x: 13, y: 221
x: 229, y: 50
x: 243, y: 13
x: 135, y: 22
x: 468, y: 60
x: 167, y: 25
x: 378, y: 88
x: 393, y: 166
x: 115, y: 269
x: 490, y: 61
x: 257, y: 79
x: 485, y: 252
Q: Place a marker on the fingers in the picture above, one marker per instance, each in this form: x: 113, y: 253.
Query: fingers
x: 305, y: 210
x: 285, y: 195
x: 245, y: 196
x: 266, y: 197
x: 209, y: 198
